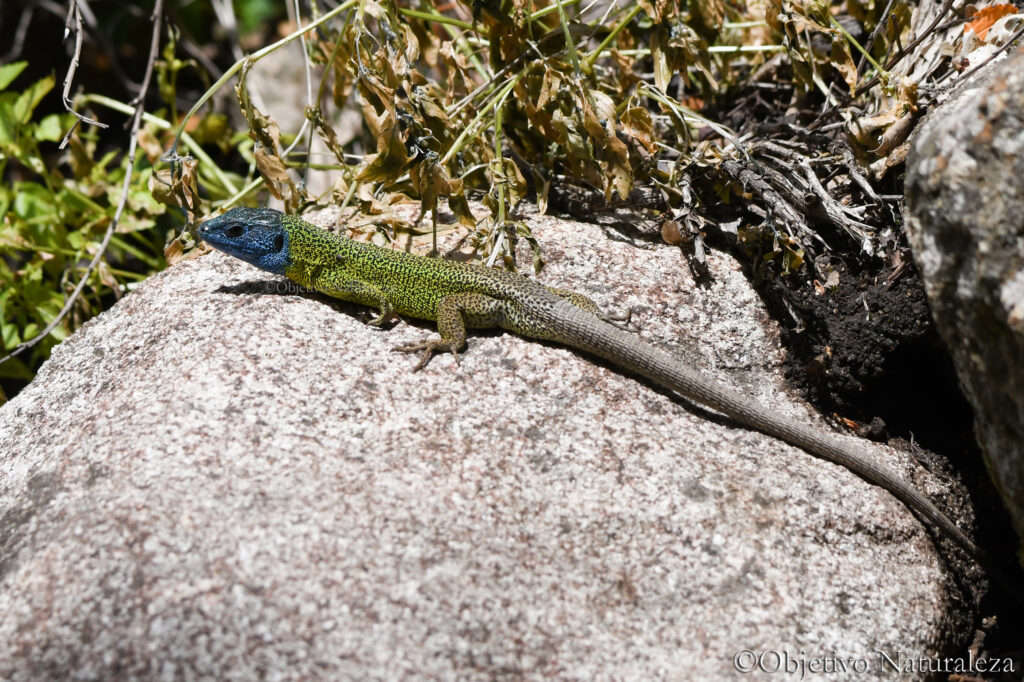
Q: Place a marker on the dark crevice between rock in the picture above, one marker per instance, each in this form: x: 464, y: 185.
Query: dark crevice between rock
x: 11, y: 387
x: 868, y: 351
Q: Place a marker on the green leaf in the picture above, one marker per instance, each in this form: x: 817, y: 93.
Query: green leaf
x: 31, y: 274
x: 253, y: 14
x: 33, y: 202
x: 28, y: 100
x: 50, y: 129
x: 212, y: 129
x: 9, y: 72
x: 60, y: 332
x: 8, y: 128
x: 106, y: 159
x: 48, y: 310
x: 9, y: 335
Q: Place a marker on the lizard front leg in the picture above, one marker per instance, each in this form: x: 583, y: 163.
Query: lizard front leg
x: 454, y: 314
x: 362, y: 293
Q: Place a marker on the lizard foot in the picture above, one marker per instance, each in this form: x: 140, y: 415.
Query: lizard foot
x: 382, y: 319
x: 620, y: 320
x: 429, y: 347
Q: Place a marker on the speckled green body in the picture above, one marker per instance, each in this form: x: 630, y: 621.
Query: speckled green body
x: 394, y: 282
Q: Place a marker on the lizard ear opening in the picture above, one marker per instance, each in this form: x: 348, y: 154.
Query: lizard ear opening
x: 278, y: 243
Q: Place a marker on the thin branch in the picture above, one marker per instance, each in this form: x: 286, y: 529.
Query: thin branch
x: 296, y: 16
x: 19, y: 35
x: 251, y: 59
x: 74, y: 14
x: 895, y: 59
x: 1003, y: 48
x: 874, y: 35
x: 112, y: 226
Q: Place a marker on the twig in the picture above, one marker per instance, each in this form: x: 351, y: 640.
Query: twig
x: 855, y: 175
x: 883, y: 20
x: 74, y: 14
x: 1002, y: 48
x: 19, y: 35
x: 112, y: 226
x: 946, y: 6
x: 296, y: 16
x: 840, y: 216
x: 785, y: 180
x: 251, y: 59
x: 93, y: 31
x: 751, y: 177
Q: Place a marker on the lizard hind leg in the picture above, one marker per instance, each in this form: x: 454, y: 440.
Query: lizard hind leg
x: 584, y: 303
x: 454, y: 314
x: 577, y: 299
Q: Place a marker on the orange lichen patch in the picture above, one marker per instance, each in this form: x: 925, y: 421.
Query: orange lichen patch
x: 983, y: 19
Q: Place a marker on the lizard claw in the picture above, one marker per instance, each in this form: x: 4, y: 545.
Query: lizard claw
x: 424, y: 359
x: 429, y: 347
x: 384, y: 317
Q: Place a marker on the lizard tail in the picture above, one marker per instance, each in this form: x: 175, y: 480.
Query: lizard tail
x: 584, y: 331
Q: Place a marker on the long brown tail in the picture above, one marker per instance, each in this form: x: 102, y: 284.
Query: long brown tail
x: 586, y: 332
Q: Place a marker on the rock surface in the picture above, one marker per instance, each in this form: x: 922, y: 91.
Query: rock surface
x: 224, y: 477
x: 965, y: 201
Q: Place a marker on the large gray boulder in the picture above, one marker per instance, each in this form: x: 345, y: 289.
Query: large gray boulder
x: 226, y: 478
x: 965, y: 201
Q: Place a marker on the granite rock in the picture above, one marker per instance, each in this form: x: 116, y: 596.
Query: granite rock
x: 965, y: 223
x: 225, y: 477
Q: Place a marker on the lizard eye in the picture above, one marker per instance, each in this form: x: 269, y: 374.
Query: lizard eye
x: 234, y: 231
x: 278, y: 242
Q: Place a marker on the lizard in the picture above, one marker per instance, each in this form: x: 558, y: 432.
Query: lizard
x: 459, y: 295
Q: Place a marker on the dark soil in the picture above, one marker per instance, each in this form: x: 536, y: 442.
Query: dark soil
x: 867, y: 351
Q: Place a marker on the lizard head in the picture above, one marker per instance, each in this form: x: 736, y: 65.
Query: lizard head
x: 255, y: 235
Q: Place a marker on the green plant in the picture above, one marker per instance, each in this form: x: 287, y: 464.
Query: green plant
x: 55, y: 207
